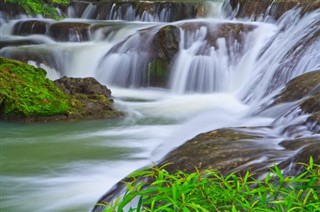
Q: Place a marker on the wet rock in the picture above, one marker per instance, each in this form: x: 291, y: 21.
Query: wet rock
x: 313, y: 123
x: 90, y: 99
x: 143, y: 10
x: 305, y: 89
x: 232, y: 33
x: 304, y: 148
x: 300, y: 87
x: 70, y: 31
x: 164, y: 47
x: 275, y: 9
x: 225, y: 150
x: 25, y: 28
x: 87, y: 86
x: 9, y: 11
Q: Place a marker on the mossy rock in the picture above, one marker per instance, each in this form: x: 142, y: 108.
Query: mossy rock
x: 26, y: 92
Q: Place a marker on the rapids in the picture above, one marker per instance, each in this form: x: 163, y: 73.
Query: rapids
x: 68, y: 166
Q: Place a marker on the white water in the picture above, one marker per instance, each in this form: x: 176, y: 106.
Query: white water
x: 223, y: 87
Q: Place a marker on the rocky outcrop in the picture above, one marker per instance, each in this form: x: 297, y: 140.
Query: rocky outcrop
x: 27, y: 95
x: 275, y: 9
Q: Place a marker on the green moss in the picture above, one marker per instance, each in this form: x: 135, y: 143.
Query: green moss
x: 157, y: 72
x: 25, y: 91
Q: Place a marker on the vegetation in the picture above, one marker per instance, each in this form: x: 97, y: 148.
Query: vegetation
x: 44, y: 7
x: 25, y: 91
x: 210, y: 191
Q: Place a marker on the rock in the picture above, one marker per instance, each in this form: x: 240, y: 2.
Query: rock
x: 275, y: 9
x: 300, y: 87
x: 306, y: 90
x: 27, y: 95
x: 25, y: 28
x: 225, y: 150
x: 313, y: 123
x: 164, y: 47
x: 142, y: 10
x: 70, y: 31
x: 90, y: 99
x: 122, y: 10
x: 304, y: 148
x: 232, y: 33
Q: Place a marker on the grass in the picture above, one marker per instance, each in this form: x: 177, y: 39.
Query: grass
x: 210, y: 191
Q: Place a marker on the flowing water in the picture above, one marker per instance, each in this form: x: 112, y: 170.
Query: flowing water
x: 68, y: 166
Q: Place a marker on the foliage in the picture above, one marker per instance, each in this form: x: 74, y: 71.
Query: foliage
x: 25, y: 91
x: 43, y: 7
x: 211, y: 191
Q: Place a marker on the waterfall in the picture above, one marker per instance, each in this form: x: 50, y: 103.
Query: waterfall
x: 176, y: 70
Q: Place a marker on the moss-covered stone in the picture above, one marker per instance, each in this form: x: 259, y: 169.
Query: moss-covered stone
x: 26, y: 92
x: 27, y: 95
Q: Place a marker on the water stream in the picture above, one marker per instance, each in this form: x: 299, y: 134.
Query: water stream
x: 68, y: 166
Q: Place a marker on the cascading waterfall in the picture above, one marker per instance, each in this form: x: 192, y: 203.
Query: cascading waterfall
x: 225, y: 73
